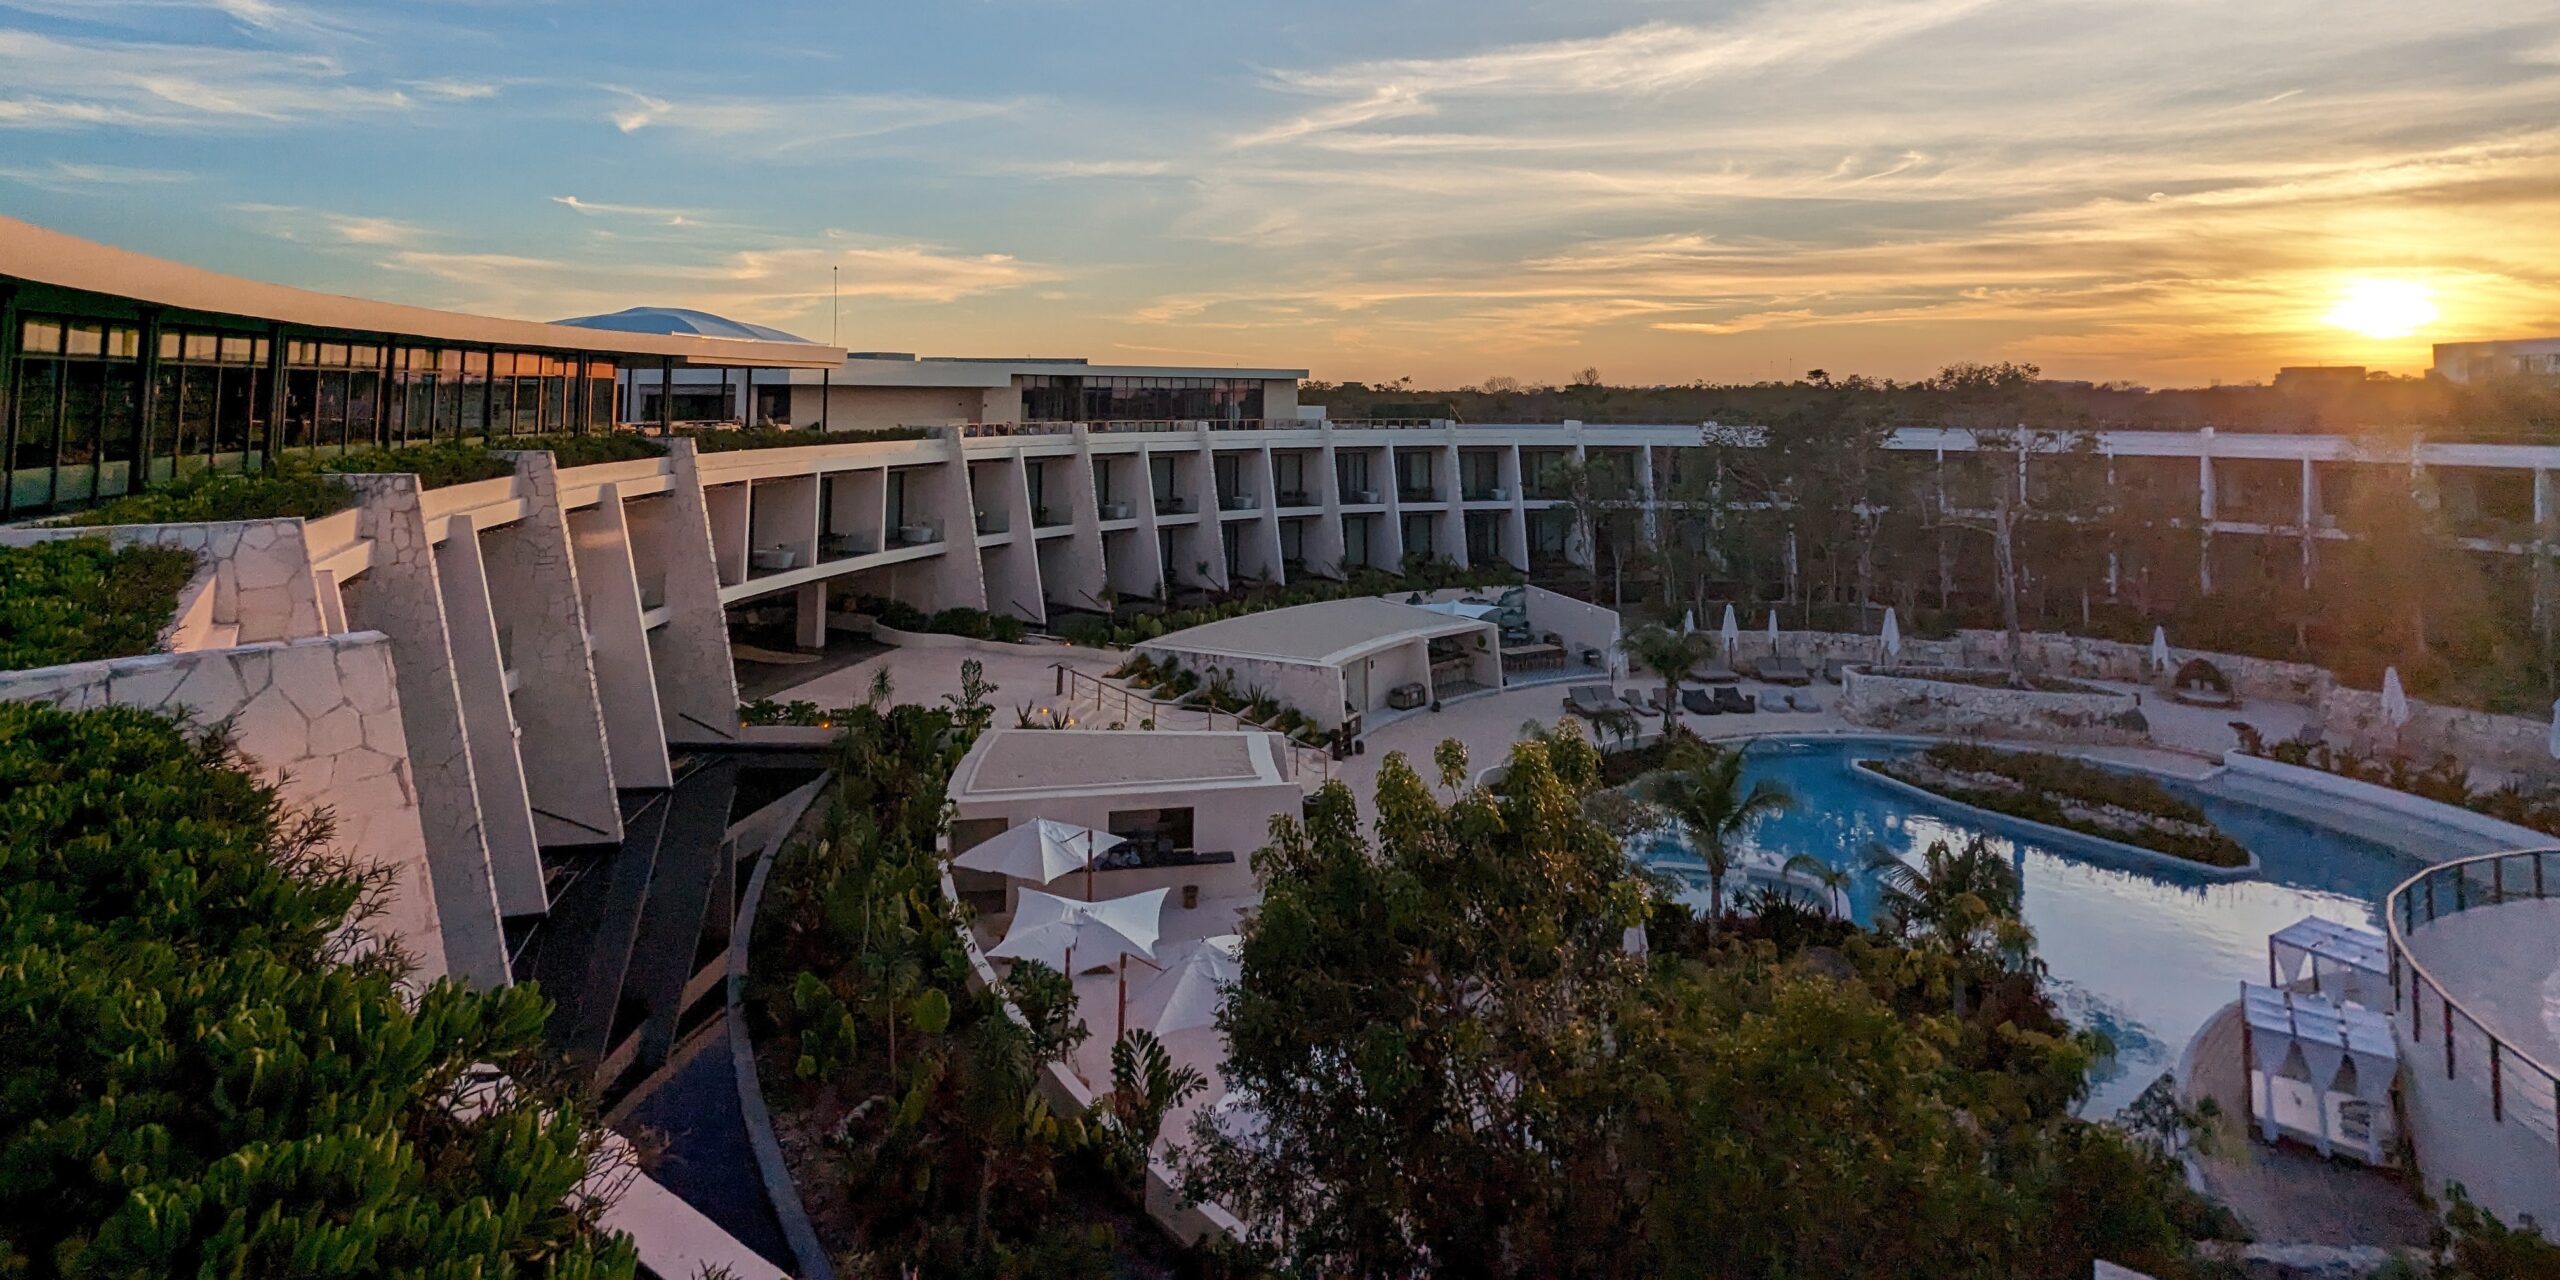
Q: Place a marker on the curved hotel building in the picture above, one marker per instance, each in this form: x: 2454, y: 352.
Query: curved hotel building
x: 492, y: 680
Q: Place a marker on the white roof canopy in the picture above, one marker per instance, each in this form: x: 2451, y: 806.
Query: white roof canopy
x: 2344, y: 945
x: 1186, y: 995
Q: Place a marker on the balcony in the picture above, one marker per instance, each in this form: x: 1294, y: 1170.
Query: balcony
x: 993, y: 522
x: 1423, y: 494
x: 845, y: 546
x: 1117, y: 511
x: 1173, y: 506
x: 1295, y: 498
x: 764, y: 561
x: 918, y: 535
x: 1048, y: 517
x: 1488, y: 493
x: 1360, y: 497
x: 1239, y: 502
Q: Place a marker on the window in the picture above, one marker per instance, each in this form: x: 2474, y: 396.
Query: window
x: 1153, y: 831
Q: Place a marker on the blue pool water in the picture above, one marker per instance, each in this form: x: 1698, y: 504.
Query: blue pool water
x: 2144, y: 955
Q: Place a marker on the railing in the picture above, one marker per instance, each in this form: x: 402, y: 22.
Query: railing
x: 1106, y: 696
x: 2450, y: 889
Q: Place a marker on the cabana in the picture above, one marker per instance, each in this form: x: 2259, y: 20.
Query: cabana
x: 2319, y: 1072
x: 2325, y: 958
x: 1341, y: 660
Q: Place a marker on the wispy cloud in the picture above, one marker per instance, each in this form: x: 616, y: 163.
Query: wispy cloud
x: 50, y: 82
x: 69, y: 177
x: 786, y: 124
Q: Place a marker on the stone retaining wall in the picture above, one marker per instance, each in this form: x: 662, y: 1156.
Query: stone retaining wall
x: 2505, y: 744
x: 2046, y: 653
x: 1905, y: 703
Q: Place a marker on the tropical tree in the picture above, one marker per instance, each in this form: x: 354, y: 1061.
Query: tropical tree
x: 1669, y: 655
x: 1963, y: 902
x: 1835, y: 880
x: 1700, y: 788
x: 1146, y: 1085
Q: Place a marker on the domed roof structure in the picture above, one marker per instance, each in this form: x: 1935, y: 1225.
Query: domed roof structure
x: 680, y: 320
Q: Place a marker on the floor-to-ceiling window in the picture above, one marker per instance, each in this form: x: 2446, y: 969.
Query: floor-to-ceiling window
x: 1081, y: 398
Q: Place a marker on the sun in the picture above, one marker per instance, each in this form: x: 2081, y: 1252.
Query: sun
x: 2383, y: 309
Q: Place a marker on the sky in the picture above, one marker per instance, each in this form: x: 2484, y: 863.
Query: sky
x: 2171, y: 193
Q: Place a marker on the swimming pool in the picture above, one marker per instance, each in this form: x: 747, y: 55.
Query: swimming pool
x: 2142, y: 954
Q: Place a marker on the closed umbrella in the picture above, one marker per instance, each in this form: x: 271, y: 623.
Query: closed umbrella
x: 2395, y: 700
x: 2554, y: 744
x: 1688, y: 621
x: 1773, y: 631
x: 1051, y: 929
x: 1730, y: 633
x: 1040, y: 851
x: 1187, y: 993
x: 2160, y: 649
x: 1892, y: 635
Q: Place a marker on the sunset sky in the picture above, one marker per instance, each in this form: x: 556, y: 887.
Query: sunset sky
x: 2170, y: 193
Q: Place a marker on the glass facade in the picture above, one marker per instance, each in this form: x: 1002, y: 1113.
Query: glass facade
x: 1076, y: 398
x: 92, y: 409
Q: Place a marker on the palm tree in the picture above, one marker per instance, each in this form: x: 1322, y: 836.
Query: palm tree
x: 1700, y: 788
x: 1669, y: 655
x: 1834, y: 880
x: 1964, y: 901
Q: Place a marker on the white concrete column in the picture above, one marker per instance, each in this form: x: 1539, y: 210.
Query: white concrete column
x: 1263, y: 538
x: 1081, y: 572
x: 1452, y: 489
x: 533, y: 588
x: 1390, y: 491
x: 697, y: 682
x: 626, y: 679
x: 1324, y: 542
x: 488, y: 718
x: 399, y: 595
x: 1644, y: 489
x: 1515, y: 522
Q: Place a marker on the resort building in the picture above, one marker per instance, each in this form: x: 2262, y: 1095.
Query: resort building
x: 2504, y: 358
x: 520, y: 693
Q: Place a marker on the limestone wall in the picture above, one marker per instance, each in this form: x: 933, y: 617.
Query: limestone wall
x: 322, y: 717
x: 262, y: 580
x: 2505, y: 744
x: 1905, y: 704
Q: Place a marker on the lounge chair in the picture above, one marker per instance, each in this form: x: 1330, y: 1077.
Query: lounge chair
x: 1697, y: 703
x: 1836, y: 670
x: 1733, y: 701
x: 1784, y: 671
x: 1716, y: 673
x: 1587, y: 699
x: 1635, y: 702
x: 1653, y: 698
x: 1809, y: 705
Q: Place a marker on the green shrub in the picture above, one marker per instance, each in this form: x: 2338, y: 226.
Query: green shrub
x: 590, y: 448
x: 437, y: 465
x: 1006, y: 628
x: 959, y: 621
x: 83, y: 599
x: 196, y: 497
x: 726, y: 440
x: 202, y: 1081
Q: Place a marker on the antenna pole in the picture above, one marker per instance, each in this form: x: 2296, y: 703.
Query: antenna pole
x: 835, y: 306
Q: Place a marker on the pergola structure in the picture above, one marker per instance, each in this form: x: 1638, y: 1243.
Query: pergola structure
x: 2319, y: 1071
x: 2326, y: 958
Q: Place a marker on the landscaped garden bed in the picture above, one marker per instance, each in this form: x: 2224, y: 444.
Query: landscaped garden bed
x: 2446, y: 781
x: 732, y: 439
x: 205, y: 1077
x: 1958, y: 703
x: 299, y: 484
x: 2074, y: 795
x: 85, y: 600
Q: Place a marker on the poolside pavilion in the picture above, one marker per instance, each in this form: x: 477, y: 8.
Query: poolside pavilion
x: 1343, y: 661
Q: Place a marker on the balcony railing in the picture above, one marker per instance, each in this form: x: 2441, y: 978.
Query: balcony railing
x: 2509, y: 1073
x: 1238, y: 502
x: 1173, y: 506
x: 1294, y: 498
x: 1425, y: 494
x: 993, y: 522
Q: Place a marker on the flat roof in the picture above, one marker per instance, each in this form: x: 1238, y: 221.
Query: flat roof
x: 44, y: 256
x: 1010, y: 762
x: 1327, y: 633
x: 875, y: 369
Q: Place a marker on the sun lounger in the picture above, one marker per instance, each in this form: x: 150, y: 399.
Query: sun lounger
x: 1836, y: 670
x: 1653, y: 698
x: 1717, y: 673
x: 1784, y: 671
x: 1635, y: 702
x: 1587, y: 699
x: 1697, y: 703
x: 1734, y: 701
x: 1809, y: 705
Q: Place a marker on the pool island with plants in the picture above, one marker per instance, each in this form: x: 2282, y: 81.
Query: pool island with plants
x: 2072, y: 795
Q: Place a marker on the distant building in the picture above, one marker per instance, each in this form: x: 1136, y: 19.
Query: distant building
x: 2506, y: 358
x: 2300, y: 378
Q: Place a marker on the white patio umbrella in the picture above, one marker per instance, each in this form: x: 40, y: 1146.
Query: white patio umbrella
x: 1730, y: 633
x: 1040, y: 851
x: 1635, y: 941
x: 1773, y: 629
x: 1051, y: 929
x: 1892, y: 634
x: 1688, y: 621
x: 2395, y: 700
x: 1187, y: 993
x: 2554, y: 744
x: 2160, y: 649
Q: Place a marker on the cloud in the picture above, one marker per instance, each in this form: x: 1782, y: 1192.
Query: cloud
x: 1092, y: 168
x: 70, y: 178
x: 330, y: 227
x: 47, y: 82
x: 783, y: 125
x: 655, y: 213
